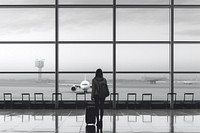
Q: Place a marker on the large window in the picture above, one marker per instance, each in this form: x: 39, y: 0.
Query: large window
x: 143, y: 43
x: 142, y: 24
x: 85, y: 24
x: 27, y: 24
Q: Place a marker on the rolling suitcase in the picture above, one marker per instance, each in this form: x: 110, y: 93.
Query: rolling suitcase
x: 90, y: 129
x: 90, y: 115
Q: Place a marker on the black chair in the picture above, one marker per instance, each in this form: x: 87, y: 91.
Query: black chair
x: 38, y: 102
x: 188, y: 94
x: 188, y: 102
x: 128, y: 99
x: 80, y: 94
x: 7, y: 94
x: 27, y: 95
x: 147, y: 95
x: 8, y: 103
x: 169, y: 95
x: 36, y: 95
x: 58, y: 94
x: 116, y: 95
x: 26, y: 102
x: 148, y: 101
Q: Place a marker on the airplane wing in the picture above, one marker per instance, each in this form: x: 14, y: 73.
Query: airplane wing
x: 68, y: 85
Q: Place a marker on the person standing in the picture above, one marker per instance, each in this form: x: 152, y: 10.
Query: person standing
x: 99, y: 93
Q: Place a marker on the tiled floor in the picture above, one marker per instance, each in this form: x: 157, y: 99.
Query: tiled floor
x: 119, y: 121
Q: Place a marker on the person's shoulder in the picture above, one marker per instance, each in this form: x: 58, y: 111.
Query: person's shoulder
x: 93, y: 79
x: 104, y: 79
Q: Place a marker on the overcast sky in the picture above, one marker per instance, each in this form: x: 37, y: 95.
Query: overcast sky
x: 96, y: 24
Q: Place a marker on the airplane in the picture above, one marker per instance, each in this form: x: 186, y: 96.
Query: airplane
x: 154, y: 80
x: 84, y: 85
x: 188, y: 82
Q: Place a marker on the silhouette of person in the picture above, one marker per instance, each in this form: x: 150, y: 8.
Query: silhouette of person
x: 98, y: 99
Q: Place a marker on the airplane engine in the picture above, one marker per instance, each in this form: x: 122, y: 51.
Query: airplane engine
x: 73, y: 88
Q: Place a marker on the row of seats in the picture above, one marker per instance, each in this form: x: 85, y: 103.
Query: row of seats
x: 26, y: 96
x: 169, y: 95
x: 145, y: 96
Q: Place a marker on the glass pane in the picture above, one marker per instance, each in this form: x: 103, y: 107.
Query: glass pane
x: 185, y: 2
x: 22, y: 57
x: 25, y: 2
x: 142, y: 57
x: 187, y: 83
x: 67, y: 81
x: 145, y: 2
x: 85, y: 24
x: 27, y: 83
x: 187, y: 57
x: 85, y: 57
x: 156, y: 84
x: 27, y: 24
x: 142, y: 24
x: 187, y: 25
x: 86, y: 1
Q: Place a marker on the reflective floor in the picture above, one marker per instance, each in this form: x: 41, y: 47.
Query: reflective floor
x: 119, y: 121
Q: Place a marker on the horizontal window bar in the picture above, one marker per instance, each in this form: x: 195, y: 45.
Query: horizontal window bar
x: 27, y: 6
x: 187, y: 72
x: 142, y: 6
x: 98, y: 6
x: 80, y: 72
x: 26, y: 72
x: 154, y: 42
x: 97, y: 42
x: 92, y: 42
x: 186, y: 6
x: 193, y: 42
x: 157, y: 6
x: 84, y: 42
x: 141, y: 72
x: 85, y: 6
x: 108, y: 72
x: 25, y: 42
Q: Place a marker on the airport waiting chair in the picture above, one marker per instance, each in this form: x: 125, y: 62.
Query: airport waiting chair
x: 148, y: 96
x: 54, y: 95
x: 116, y: 95
x: 7, y: 95
x: 7, y: 102
x: 186, y: 95
x: 78, y: 95
x: 26, y: 100
x: 36, y: 95
x: 128, y: 99
x: 147, y: 99
x: 26, y: 95
x: 169, y: 95
x: 188, y: 100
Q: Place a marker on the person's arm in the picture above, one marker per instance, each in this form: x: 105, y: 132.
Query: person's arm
x: 106, y: 82
x: 93, y: 88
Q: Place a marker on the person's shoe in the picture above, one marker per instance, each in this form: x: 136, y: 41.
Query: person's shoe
x: 97, y: 124
x: 100, y: 124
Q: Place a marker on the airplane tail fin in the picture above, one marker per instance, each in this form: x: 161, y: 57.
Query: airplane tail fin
x: 85, y: 77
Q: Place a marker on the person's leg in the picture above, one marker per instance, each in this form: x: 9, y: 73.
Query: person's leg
x: 96, y: 99
x: 102, y: 100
